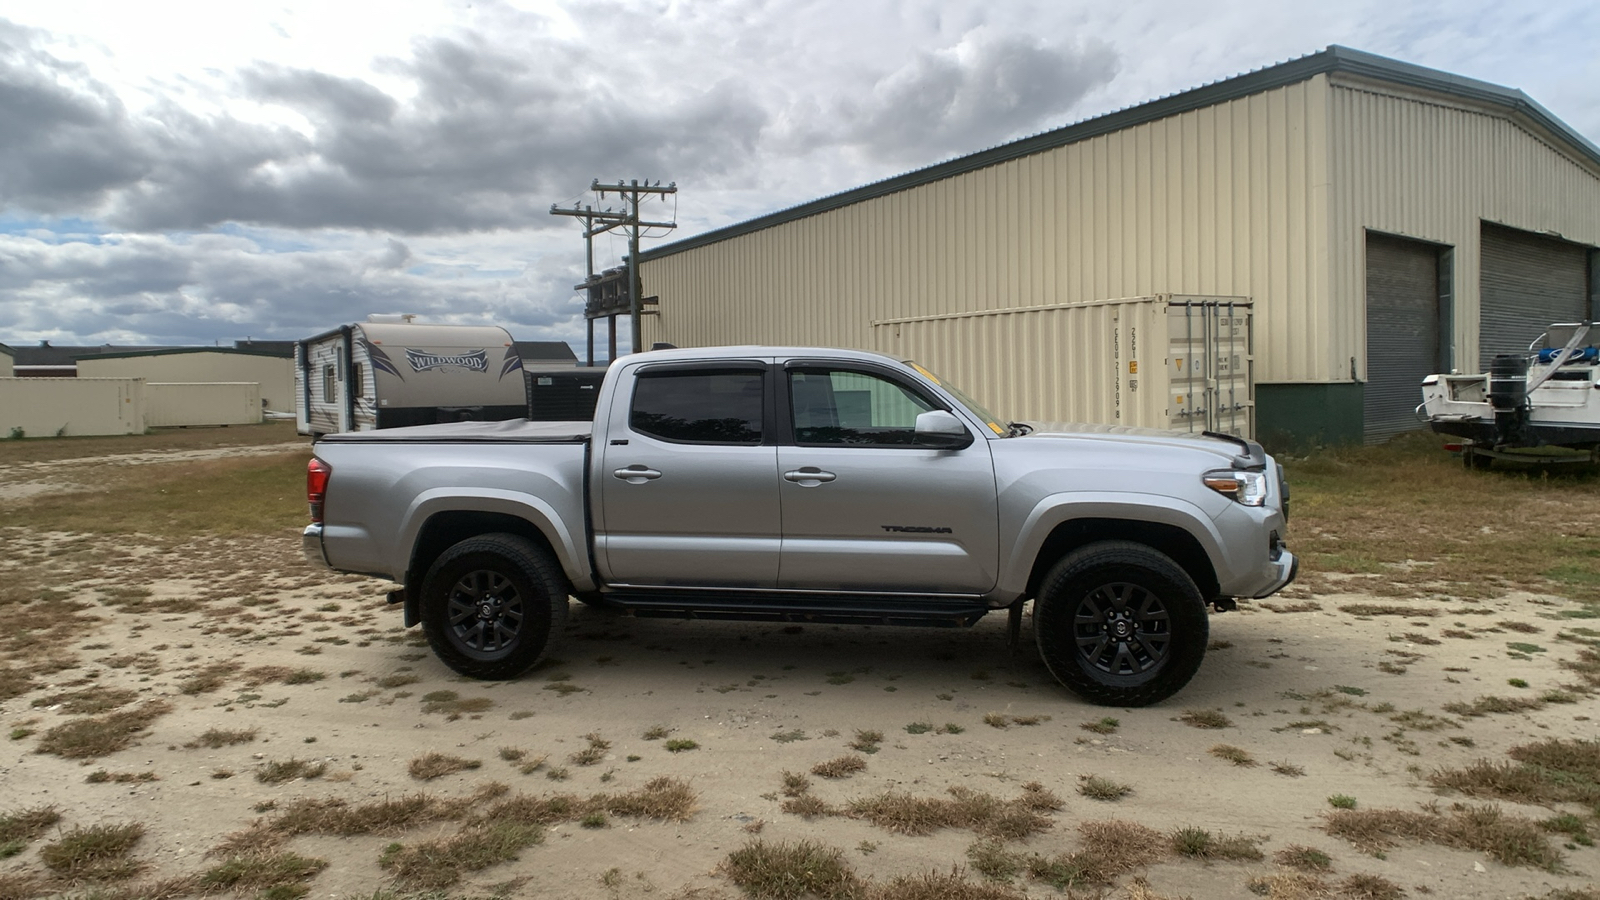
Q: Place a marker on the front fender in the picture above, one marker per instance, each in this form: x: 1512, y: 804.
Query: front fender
x: 569, y: 546
x: 1054, y: 509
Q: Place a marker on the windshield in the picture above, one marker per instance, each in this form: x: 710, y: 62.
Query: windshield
x: 995, y: 423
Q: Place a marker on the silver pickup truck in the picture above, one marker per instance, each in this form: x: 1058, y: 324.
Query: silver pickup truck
x: 810, y: 485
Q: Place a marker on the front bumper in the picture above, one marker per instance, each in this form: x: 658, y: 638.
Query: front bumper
x: 1285, y: 567
x: 311, y: 546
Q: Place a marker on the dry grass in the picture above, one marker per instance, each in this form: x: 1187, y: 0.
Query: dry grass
x: 795, y: 784
x: 1383, y: 510
x: 1107, y: 850
x: 1484, y: 706
x: 1236, y: 755
x: 1511, y: 840
x: 452, y: 705
x: 87, y: 702
x: 1105, y: 725
x: 1389, y: 609
x: 97, y: 736
x: 867, y: 741
x: 1304, y: 859
x: 15, y: 682
x: 208, y: 678
x: 983, y: 813
x: 217, y: 738
x: 785, y: 871
x: 594, y: 753
x: 840, y: 767
x: 1205, y: 718
x: 180, y: 500
x: 262, y: 872
x: 1544, y: 772
x: 433, y: 765
x: 27, y: 824
x: 1198, y: 843
x: 1096, y: 788
x: 280, y: 771
x: 94, y: 852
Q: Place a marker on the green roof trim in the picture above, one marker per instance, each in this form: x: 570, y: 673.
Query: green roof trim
x: 174, y: 351
x: 1335, y: 59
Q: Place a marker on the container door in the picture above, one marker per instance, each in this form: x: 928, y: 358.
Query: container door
x: 688, y: 481
x: 865, y: 508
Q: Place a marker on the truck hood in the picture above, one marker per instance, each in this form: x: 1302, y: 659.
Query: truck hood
x: 1237, y: 452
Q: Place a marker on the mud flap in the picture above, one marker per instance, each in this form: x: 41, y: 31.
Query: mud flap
x: 413, y: 606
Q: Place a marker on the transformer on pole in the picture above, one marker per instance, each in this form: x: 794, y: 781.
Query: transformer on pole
x: 617, y: 290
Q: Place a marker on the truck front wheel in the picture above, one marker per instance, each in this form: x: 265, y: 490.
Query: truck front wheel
x: 1120, y: 624
x: 492, y: 605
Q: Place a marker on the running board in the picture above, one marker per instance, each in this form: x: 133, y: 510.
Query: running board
x: 841, y: 609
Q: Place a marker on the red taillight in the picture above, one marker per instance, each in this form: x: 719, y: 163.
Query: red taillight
x: 317, y: 473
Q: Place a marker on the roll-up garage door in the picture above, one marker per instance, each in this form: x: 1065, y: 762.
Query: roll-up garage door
x: 1402, y: 332
x: 1527, y: 282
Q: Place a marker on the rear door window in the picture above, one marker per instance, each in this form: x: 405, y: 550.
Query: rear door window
x: 699, y: 406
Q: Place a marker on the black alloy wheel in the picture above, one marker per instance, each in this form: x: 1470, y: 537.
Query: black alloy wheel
x: 1120, y: 624
x: 493, y: 605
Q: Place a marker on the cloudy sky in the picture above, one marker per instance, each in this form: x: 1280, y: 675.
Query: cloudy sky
x: 188, y: 171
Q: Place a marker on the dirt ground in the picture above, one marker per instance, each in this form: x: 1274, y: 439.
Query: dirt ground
x: 1323, y: 702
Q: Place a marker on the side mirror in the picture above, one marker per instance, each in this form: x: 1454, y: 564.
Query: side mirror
x: 941, y: 430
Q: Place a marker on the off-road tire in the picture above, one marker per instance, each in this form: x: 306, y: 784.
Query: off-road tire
x: 493, y: 605
x: 1120, y: 624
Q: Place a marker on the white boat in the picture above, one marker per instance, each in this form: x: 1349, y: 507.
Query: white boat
x: 1546, y: 398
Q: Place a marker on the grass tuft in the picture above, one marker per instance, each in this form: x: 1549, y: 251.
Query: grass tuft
x: 217, y: 738
x: 1304, y: 859
x: 96, y: 852
x: 1096, y: 788
x: 433, y: 765
x: 840, y: 767
x: 1205, y: 718
x: 97, y: 736
x: 1105, y: 725
x: 1511, y: 840
x: 789, y: 871
x: 280, y: 771
x: 1198, y: 843
x: 1236, y: 755
x: 264, y: 872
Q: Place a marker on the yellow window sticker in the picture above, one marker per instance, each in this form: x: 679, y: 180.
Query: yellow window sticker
x: 996, y: 428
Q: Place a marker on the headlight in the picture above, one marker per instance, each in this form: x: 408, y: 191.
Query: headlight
x: 1249, y: 488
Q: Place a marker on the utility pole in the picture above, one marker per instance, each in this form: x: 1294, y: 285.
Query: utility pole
x: 600, y: 221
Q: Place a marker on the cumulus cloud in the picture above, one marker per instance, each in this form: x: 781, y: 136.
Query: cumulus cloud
x: 977, y: 93
x: 168, y: 290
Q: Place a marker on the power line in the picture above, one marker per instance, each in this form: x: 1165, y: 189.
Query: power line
x: 603, y: 221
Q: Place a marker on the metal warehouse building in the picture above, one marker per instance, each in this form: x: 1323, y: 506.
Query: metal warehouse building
x: 1383, y: 220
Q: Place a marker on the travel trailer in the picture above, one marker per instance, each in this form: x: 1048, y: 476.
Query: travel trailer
x: 389, y: 372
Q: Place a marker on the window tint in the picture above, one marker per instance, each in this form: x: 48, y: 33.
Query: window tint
x: 699, y: 407
x: 836, y: 406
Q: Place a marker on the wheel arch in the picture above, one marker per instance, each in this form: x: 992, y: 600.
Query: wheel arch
x: 1173, y: 541
x: 435, y: 521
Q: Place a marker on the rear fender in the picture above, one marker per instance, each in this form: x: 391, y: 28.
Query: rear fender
x: 567, y: 544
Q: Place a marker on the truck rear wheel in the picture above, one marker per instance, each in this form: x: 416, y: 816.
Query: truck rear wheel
x: 492, y: 605
x: 1120, y: 624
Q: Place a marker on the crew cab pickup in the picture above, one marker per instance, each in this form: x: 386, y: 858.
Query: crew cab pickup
x: 811, y: 485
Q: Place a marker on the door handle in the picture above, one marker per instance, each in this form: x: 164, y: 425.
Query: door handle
x: 636, y: 474
x: 809, y: 476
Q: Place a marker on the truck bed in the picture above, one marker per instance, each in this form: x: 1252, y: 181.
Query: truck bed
x: 516, y: 431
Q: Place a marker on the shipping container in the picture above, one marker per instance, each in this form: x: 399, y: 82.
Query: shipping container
x: 1178, y: 362
x: 190, y: 404
x: 71, y: 407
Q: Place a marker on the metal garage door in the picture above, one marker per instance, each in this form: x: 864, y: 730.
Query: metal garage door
x: 1528, y: 281
x: 1402, y: 332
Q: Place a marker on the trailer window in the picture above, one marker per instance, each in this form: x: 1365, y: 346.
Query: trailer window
x: 357, y: 389
x: 699, y: 407
x: 330, y: 384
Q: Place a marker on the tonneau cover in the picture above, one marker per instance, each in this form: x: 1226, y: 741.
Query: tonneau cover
x: 512, y: 431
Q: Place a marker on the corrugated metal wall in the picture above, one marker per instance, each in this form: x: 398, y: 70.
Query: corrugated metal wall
x: 274, y: 374
x: 1226, y: 200
x: 194, y: 403
x: 1420, y: 166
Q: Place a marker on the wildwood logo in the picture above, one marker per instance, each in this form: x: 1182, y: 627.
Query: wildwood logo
x: 476, y: 360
